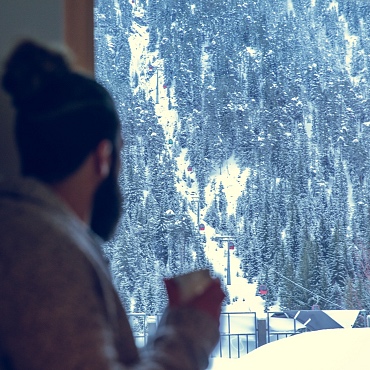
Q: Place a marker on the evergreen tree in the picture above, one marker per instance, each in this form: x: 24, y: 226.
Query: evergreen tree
x: 283, y: 92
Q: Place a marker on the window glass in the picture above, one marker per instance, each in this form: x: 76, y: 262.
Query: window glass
x: 247, y: 135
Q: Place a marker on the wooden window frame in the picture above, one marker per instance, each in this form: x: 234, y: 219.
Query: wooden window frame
x: 79, y: 32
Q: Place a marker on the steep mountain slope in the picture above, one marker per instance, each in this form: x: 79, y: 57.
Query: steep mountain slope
x: 281, y: 88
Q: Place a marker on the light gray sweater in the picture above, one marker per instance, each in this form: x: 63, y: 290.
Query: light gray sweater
x: 58, y: 307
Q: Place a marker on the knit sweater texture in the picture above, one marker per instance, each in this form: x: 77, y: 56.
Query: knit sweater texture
x: 59, y: 309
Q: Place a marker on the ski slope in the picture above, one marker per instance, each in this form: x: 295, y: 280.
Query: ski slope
x: 242, y: 295
x: 327, y: 349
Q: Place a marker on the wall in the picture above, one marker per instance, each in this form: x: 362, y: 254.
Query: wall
x: 53, y: 22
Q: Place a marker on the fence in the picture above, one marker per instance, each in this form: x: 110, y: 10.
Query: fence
x: 279, y: 329
x: 238, y: 332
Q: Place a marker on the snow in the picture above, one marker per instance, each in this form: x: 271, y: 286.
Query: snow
x: 326, y: 349
x: 290, y: 7
x: 206, y: 66
x: 232, y: 188
x: 118, y: 12
x: 242, y: 295
x: 252, y: 52
x: 332, y: 349
x: 351, y: 41
x: 333, y: 5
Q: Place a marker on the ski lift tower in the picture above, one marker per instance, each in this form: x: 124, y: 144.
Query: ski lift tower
x: 196, y: 199
x: 227, y: 239
x: 155, y: 68
x: 157, y: 88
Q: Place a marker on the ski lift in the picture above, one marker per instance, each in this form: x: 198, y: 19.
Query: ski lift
x: 201, y: 227
x: 190, y: 168
x: 263, y: 289
x: 231, y: 245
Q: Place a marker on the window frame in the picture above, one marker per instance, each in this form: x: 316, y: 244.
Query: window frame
x: 79, y: 32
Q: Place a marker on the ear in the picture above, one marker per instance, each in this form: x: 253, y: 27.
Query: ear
x: 103, y: 158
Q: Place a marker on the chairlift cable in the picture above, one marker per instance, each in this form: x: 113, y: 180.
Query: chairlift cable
x: 302, y: 287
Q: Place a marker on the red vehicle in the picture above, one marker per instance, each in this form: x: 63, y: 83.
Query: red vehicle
x: 263, y: 289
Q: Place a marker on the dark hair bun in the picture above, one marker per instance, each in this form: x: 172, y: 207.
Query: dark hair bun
x: 29, y: 70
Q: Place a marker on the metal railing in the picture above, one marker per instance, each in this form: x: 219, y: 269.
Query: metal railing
x: 274, y: 332
x: 235, y: 345
x: 238, y: 332
x: 142, y: 326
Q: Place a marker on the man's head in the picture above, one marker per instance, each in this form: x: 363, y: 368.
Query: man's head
x: 61, y: 118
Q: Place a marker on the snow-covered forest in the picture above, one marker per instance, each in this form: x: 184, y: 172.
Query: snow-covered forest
x: 279, y: 87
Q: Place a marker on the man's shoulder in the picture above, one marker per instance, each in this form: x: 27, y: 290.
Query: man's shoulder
x: 37, y: 228
x: 23, y: 219
x: 32, y: 222
x: 29, y: 208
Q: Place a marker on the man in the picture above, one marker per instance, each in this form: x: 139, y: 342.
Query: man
x: 58, y: 306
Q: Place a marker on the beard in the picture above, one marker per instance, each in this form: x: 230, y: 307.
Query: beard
x: 107, y: 207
